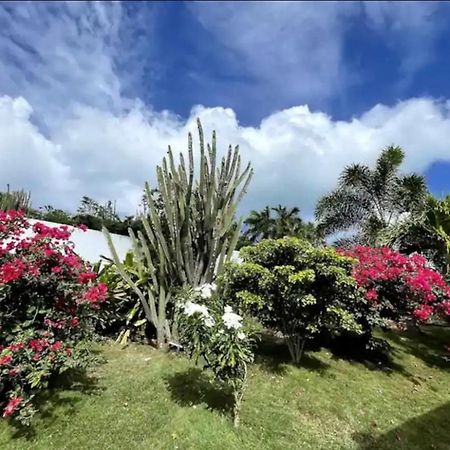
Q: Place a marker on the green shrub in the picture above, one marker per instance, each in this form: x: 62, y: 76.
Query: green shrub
x: 220, y: 338
x: 296, y: 289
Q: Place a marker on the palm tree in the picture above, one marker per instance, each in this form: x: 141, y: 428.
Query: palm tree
x: 368, y: 201
x: 260, y: 224
x: 286, y: 221
x: 428, y: 234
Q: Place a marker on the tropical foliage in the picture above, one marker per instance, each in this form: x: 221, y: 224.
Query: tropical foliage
x: 278, y: 222
x: 368, y: 201
x: 285, y: 281
x: 428, y: 233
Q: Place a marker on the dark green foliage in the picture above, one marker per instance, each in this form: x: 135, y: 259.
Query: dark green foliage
x: 285, y: 222
x: 122, y: 315
x: 91, y: 214
x: 428, y: 233
x: 369, y: 201
x: 296, y: 289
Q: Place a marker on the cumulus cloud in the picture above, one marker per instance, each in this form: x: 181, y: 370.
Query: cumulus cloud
x: 67, y: 128
x: 297, y: 154
x: 27, y: 158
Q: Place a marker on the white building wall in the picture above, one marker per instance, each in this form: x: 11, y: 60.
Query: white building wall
x: 91, y: 244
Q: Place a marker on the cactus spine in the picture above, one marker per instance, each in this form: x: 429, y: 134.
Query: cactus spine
x: 188, y: 243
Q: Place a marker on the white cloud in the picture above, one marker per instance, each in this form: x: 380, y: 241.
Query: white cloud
x: 297, y: 154
x: 27, y: 158
x: 60, y: 55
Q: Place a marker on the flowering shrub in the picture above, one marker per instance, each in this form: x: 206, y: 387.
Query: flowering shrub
x: 296, y: 289
x: 399, y: 286
x: 219, y: 337
x: 47, y: 294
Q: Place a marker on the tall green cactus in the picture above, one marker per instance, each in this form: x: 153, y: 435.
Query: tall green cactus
x: 187, y: 244
x: 15, y: 200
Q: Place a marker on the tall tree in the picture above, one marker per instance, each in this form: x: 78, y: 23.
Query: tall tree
x: 277, y: 222
x: 368, y: 201
x: 259, y: 224
x: 428, y: 233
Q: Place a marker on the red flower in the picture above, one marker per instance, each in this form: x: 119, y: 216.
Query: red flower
x: 12, y: 406
x: 404, y: 281
x: 371, y: 294
x: 38, y: 344
x: 11, y: 271
x: 36, y: 357
x: 74, y: 322
x: 73, y: 261
x: 97, y: 293
x: 16, y: 346
x: 4, y: 360
x: 56, y: 346
x: 423, y: 313
x: 82, y: 227
x: 85, y: 277
x: 13, y: 372
x: 56, y: 269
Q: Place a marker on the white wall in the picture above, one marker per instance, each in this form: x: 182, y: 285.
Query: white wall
x: 91, y: 244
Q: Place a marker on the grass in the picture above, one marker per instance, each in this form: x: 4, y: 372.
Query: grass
x: 144, y: 399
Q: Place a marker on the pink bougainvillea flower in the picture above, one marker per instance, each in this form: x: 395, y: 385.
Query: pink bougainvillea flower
x: 4, y: 360
x: 12, y: 406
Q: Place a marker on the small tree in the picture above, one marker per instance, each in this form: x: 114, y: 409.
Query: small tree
x: 296, y: 289
x: 220, y: 338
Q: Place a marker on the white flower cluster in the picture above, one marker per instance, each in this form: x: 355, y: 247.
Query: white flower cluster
x: 191, y: 308
x: 231, y: 319
x: 206, y: 289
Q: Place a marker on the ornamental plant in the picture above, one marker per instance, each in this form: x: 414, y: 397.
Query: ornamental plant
x: 295, y: 289
x: 218, y: 338
x: 47, y: 296
x: 399, y: 286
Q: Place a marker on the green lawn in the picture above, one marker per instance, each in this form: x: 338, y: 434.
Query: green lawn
x: 144, y: 399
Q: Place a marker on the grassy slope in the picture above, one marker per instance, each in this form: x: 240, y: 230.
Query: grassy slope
x: 144, y: 399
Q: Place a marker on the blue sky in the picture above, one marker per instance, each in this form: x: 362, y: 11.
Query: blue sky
x: 92, y: 93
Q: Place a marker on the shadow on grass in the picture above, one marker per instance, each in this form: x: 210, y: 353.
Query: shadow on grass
x: 429, y: 343
x: 428, y: 431
x: 56, y: 397
x: 273, y: 356
x: 195, y: 387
